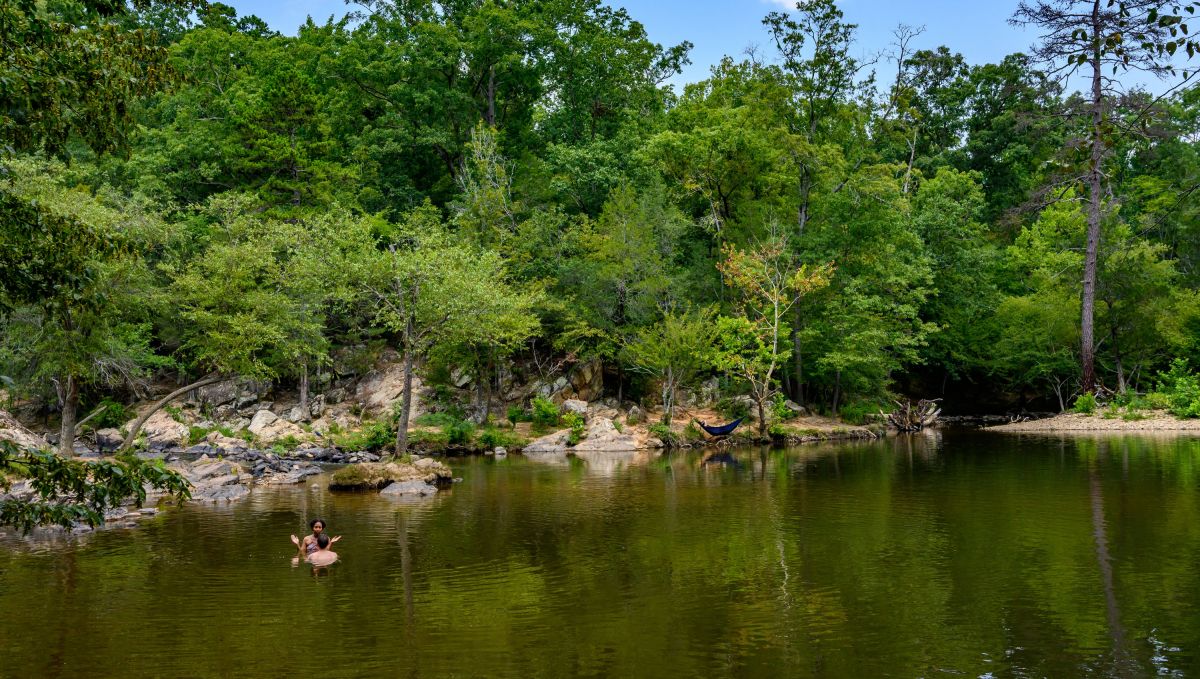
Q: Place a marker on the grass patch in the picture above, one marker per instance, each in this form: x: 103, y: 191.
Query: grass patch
x: 196, y: 435
x: 491, y: 438
x: 372, y: 436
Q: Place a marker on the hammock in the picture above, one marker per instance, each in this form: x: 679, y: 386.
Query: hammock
x: 723, y: 430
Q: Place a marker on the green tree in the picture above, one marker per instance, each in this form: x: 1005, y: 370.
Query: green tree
x: 769, y: 284
x: 246, y: 306
x: 1139, y: 35
x: 673, y: 351
x: 73, y: 287
x: 431, y: 289
x: 69, y: 71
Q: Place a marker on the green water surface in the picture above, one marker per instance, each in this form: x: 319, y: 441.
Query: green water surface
x: 956, y: 554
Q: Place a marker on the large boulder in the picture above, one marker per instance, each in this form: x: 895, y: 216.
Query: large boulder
x: 297, y: 474
x: 587, y: 380
x: 219, y: 394
x: 602, y: 435
x: 382, y: 389
x: 108, y: 440
x: 269, y: 427
x: 162, y: 430
x: 217, y: 480
x: 373, y: 475
x: 555, y: 443
x: 574, y: 405
x: 14, y: 431
x: 226, y: 444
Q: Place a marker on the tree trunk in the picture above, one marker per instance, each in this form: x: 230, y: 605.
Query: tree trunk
x: 304, y: 415
x: 137, y: 424
x: 762, y: 416
x: 837, y: 390
x: 491, y: 97
x: 668, y: 399
x: 489, y: 373
x: 406, y: 400
x: 1088, y: 305
x: 797, y: 357
x: 70, y: 402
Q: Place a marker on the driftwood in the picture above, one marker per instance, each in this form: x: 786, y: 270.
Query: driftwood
x: 913, y: 417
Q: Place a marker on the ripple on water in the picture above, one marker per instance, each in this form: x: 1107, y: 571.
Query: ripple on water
x: 964, y: 554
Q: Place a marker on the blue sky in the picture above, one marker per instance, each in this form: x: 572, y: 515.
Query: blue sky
x: 978, y: 29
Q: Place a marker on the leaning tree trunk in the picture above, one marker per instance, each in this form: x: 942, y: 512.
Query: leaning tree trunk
x: 70, y: 403
x: 137, y: 424
x: 1088, y: 305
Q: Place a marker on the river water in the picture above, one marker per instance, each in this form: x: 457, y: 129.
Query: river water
x: 955, y: 554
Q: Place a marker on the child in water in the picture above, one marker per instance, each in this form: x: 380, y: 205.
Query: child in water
x: 323, y: 556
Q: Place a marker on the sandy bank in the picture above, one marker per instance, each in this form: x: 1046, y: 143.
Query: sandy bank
x: 1154, y: 421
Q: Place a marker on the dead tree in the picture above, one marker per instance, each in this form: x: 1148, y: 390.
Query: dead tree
x: 913, y: 417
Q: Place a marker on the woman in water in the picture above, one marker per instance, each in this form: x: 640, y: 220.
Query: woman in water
x: 309, y: 544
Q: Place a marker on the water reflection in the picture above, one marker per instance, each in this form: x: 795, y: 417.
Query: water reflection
x: 957, y: 553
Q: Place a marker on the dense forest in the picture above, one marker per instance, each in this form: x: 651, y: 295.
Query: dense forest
x: 188, y: 194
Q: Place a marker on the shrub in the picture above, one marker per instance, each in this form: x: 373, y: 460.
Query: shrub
x: 733, y: 408
x: 575, y: 422
x: 1132, y: 415
x: 196, y: 435
x: 492, y: 438
x: 1182, y: 389
x: 175, y: 412
x: 692, y: 433
x: 779, y: 408
x: 618, y: 426
x: 1156, y: 401
x: 1085, y: 404
x: 459, y: 433
x: 669, y: 438
x: 115, y: 415
x: 545, y: 412
x: 517, y: 414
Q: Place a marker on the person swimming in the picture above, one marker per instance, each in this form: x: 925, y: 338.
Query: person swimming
x: 309, y: 544
x: 323, y: 556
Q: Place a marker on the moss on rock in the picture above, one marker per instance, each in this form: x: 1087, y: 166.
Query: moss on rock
x: 376, y: 475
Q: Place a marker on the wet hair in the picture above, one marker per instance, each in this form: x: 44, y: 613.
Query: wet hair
x: 313, y: 524
x: 322, y: 541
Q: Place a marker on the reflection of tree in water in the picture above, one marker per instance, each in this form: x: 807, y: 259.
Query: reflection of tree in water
x: 1122, y: 663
